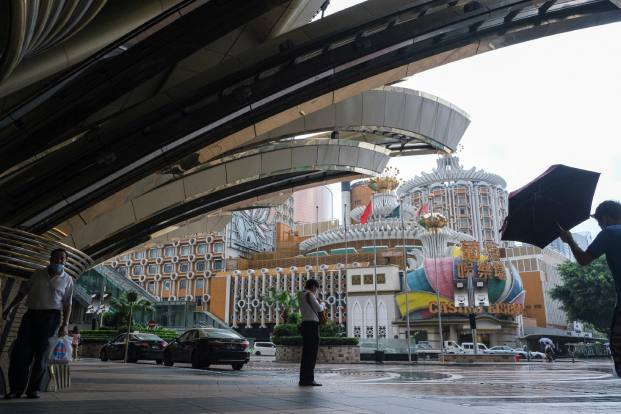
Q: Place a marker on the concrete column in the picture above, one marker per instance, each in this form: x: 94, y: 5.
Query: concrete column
x: 346, y: 201
x: 452, y: 333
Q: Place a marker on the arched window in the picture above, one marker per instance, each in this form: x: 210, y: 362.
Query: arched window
x: 382, y: 320
x: 369, y: 320
x: 357, y: 320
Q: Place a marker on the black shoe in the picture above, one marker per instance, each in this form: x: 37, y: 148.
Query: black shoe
x: 309, y: 384
x: 11, y: 395
x: 33, y: 395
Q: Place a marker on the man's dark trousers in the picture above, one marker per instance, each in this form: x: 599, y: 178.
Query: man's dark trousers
x: 310, y: 347
x: 32, y: 343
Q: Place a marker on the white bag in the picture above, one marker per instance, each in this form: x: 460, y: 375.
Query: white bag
x: 60, y: 350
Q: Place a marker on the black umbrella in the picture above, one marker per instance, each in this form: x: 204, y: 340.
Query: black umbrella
x: 560, y: 196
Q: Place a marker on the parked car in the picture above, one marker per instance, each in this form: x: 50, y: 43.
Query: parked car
x: 533, y: 354
x: 264, y: 348
x: 203, y: 347
x: 501, y: 350
x: 141, y: 346
x: 469, y: 348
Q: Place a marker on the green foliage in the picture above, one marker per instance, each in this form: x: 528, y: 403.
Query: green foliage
x: 287, y: 303
x: 294, y: 318
x: 333, y: 341
x: 587, y: 293
x: 286, y: 329
x: 331, y: 329
x: 120, y: 309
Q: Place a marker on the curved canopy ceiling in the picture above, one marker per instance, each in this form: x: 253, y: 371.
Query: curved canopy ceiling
x: 118, y: 118
x: 405, y: 121
x: 228, y: 181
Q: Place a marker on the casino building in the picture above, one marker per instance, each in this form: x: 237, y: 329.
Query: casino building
x: 236, y: 290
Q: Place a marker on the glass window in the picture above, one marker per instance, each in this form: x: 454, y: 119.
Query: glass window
x: 147, y: 337
x: 154, y: 252
x: 168, y: 267
x: 153, y: 269
x: 218, y: 333
x: 185, y: 250
x: 368, y: 279
x: 200, y: 265
x: 184, y: 267
x: 122, y: 270
x: 182, y: 284
x: 151, y: 287
x: 381, y: 278
x: 169, y: 251
x: 201, y: 248
x: 139, y: 255
x: 167, y: 285
x: 125, y: 257
x: 186, y: 336
x: 218, y: 247
x: 217, y: 264
x: 138, y: 270
x: 200, y: 283
x: 355, y: 279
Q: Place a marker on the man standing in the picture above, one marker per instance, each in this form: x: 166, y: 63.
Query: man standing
x: 608, y: 242
x: 48, y: 291
x: 309, y: 308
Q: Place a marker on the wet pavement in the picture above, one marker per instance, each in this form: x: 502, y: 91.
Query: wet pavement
x: 267, y: 387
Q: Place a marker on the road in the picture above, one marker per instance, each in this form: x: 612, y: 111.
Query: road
x: 267, y: 387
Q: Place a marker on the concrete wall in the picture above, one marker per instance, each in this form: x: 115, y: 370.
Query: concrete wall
x: 327, y: 354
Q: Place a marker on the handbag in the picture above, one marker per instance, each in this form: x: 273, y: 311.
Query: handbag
x: 322, y: 316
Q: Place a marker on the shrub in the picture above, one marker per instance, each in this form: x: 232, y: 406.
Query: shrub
x: 286, y: 329
x: 326, y: 341
x: 331, y: 329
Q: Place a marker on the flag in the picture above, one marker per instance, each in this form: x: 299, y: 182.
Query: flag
x: 394, y: 213
x: 423, y: 209
x: 366, y: 213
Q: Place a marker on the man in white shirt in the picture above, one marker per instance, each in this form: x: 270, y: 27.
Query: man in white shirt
x: 49, y: 292
x: 309, y: 308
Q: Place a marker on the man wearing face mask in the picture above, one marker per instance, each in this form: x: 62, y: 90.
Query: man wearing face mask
x: 48, y: 292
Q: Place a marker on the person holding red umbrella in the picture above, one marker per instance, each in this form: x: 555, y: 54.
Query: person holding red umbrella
x: 608, y: 242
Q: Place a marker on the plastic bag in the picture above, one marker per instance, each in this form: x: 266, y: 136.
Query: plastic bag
x: 60, y: 350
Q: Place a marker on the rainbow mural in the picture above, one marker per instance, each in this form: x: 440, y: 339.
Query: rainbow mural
x: 437, y: 276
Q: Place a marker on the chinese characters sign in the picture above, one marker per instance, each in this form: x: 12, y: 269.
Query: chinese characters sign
x: 474, y: 265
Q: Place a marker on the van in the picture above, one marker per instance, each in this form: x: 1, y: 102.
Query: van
x: 452, y: 347
x: 469, y: 348
x: 264, y: 348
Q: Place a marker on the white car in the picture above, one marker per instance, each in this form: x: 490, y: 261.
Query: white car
x: 264, y: 348
x: 501, y: 350
x: 469, y: 348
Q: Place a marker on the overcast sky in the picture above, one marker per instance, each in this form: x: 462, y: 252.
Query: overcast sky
x: 549, y: 101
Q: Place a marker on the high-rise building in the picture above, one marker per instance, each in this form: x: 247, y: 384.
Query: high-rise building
x: 538, y: 269
x: 583, y: 239
x: 305, y: 203
x: 474, y: 201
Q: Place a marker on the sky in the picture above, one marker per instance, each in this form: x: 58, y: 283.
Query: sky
x: 549, y: 101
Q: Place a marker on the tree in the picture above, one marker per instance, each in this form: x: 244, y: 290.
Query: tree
x: 122, y: 307
x: 286, y: 303
x: 587, y: 293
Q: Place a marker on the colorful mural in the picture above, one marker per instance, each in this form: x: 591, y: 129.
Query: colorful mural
x: 438, y: 276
